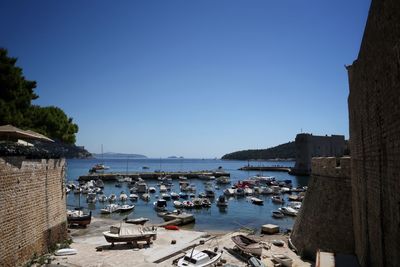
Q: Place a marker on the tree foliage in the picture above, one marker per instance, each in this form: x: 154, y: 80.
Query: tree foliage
x: 16, y: 95
x: 284, y: 151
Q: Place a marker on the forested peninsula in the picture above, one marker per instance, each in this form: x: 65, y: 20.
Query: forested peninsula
x: 284, y: 151
x: 16, y: 108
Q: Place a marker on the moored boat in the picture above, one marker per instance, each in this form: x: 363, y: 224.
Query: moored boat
x: 79, y: 217
x: 257, y: 201
x: 109, y: 209
x: 277, y: 199
x: 277, y: 214
x: 140, y: 220
x: 289, y: 211
x: 222, y: 201
x: 125, y: 208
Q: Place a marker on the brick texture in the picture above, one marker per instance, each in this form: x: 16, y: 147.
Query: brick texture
x: 325, y: 220
x: 374, y: 110
x: 33, y: 207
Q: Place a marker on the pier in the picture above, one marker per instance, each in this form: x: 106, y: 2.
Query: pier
x: 112, y: 176
x: 267, y: 168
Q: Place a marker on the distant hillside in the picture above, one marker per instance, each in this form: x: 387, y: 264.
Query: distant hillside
x: 284, y: 151
x: 119, y: 155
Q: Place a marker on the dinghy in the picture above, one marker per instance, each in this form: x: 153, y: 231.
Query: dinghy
x: 247, y: 244
x: 196, y: 258
x: 65, y: 252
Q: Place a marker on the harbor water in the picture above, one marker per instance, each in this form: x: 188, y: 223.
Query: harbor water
x: 239, y: 213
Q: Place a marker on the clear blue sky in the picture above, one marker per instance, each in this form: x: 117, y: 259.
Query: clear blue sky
x: 189, y: 78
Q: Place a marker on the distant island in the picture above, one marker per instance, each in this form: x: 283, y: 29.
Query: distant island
x: 119, y: 155
x: 175, y: 157
x: 283, y: 151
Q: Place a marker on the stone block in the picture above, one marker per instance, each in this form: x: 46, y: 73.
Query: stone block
x: 270, y: 229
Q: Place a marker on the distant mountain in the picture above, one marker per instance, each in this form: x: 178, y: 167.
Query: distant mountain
x: 284, y: 151
x: 119, y: 155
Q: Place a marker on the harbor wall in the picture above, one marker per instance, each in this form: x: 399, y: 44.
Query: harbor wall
x: 374, y: 111
x: 325, y: 219
x: 309, y: 146
x: 33, y: 207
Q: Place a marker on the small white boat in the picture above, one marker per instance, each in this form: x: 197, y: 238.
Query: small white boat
x: 166, y: 196
x: 248, y: 191
x: 109, y: 209
x: 163, y: 188
x: 277, y: 214
x: 133, y: 197
x: 196, y: 258
x: 289, y: 211
x: 65, y: 252
x: 174, y: 195
x: 112, y: 198
x: 277, y: 199
x: 140, y: 220
x: 145, y: 197
x: 222, y: 202
x: 123, y: 197
x: 103, y: 198
x: 160, y: 205
x: 125, y: 208
x: 91, y: 198
x: 257, y: 201
x: 284, y: 260
x: 178, y: 204
x: 229, y: 192
x: 152, y: 189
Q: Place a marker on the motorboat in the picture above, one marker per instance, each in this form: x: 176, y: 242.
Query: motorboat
x: 123, y: 197
x: 112, y: 198
x: 91, y: 198
x: 266, y: 190
x: 160, y: 205
x: 142, y: 187
x: 257, y: 201
x: 277, y: 214
x: 223, y: 180
x: 163, y: 188
x: 99, y: 183
x: 209, y: 193
x: 197, y: 203
x: 125, y: 208
x: 152, y: 189
x: 247, y: 244
x: 289, y: 211
x: 277, y: 199
x: 206, y: 203
x: 197, y: 258
x: 229, y: 192
x: 239, y: 192
x: 183, y: 195
x: 188, y: 204
x: 174, y: 195
x: 166, y: 196
x: 178, y: 204
x: 133, y: 197
x: 111, y: 208
x: 222, y: 201
x: 145, y: 197
x: 248, y: 191
x: 103, y: 198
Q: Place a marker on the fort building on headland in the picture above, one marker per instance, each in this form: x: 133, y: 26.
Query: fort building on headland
x: 353, y: 205
x: 309, y: 146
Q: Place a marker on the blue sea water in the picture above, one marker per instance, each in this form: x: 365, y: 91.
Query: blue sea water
x: 240, y: 212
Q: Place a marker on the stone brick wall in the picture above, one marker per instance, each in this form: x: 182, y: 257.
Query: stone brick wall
x: 374, y: 110
x: 325, y: 220
x: 33, y: 207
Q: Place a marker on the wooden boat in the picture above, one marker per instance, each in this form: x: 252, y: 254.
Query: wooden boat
x: 255, y: 262
x: 257, y: 201
x: 196, y: 258
x: 130, y: 234
x: 284, y: 260
x: 65, y: 252
x: 247, y: 245
x: 78, y: 217
x: 140, y: 220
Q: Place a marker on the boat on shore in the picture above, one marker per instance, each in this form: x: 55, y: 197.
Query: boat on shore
x: 282, y: 259
x: 247, y: 244
x: 78, y: 217
x: 197, y: 258
x: 140, y: 220
x: 111, y: 208
x: 130, y: 234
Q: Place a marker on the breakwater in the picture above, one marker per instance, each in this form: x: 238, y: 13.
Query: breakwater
x: 266, y: 168
x: 151, y: 175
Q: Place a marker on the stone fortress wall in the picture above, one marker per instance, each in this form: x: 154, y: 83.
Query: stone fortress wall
x: 33, y: 207
x: 325, y: 220
x: 374, y: 110
x: 308, y: 146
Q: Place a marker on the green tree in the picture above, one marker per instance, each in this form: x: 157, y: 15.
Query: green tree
x: 16, y: 95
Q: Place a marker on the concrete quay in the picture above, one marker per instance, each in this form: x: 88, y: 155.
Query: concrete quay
x: 113, y: 176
